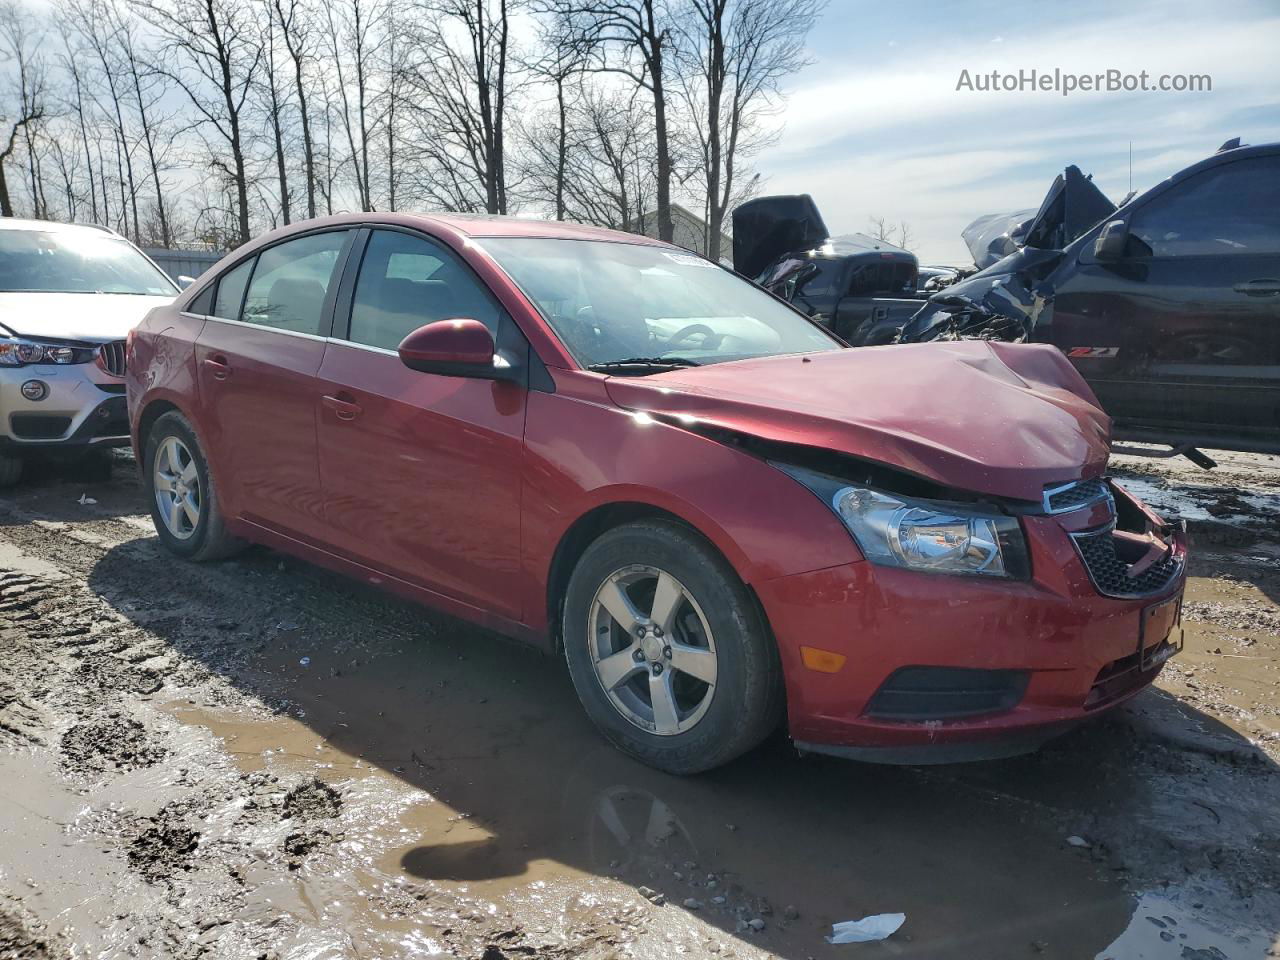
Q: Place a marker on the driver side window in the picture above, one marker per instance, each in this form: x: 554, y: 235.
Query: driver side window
x: 1231, y: 209
x: 407, y: 281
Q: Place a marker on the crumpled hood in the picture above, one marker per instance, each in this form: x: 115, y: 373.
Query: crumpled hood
x: 75, y: 316
x: 996, y: 418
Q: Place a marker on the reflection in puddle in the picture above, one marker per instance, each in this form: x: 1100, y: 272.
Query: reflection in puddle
x: 1167, y: 926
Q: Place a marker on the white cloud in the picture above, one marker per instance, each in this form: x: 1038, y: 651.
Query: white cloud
x: 895, y: 139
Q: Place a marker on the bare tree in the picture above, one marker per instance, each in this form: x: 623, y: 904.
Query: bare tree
x: 292, y: 20
x: 557, y: 65
x: 632, y: 38
x: 886, y: 232
x: 736, y: 53
x: 273, y: 103
x: 211, y: 53
x: 23, y: 106
x: 71, y: 67
x: 351, y: 27
x: 463, y: 83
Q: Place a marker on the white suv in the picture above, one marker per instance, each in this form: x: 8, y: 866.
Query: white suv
x: 69, y: 295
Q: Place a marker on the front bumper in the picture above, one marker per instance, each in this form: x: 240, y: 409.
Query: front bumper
x: 85, y: 407
x: 1067, y: 652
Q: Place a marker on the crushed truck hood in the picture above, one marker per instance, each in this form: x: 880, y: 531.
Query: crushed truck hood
x: 1073, y: 205
x: 74, y: 316
x: 994, y: 418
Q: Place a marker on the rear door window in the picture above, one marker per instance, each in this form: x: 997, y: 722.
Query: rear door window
x: 291, y: 282
x: 407, y: 281
x: 231, y: 291
x: 1231, y: 209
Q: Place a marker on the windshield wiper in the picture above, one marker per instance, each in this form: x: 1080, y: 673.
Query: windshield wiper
x: 640, y: 365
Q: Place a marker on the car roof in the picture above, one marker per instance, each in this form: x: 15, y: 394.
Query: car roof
x: 487, y: 225
x: 1228, y: 156
x: 53, y: 226
x: 465, y: 225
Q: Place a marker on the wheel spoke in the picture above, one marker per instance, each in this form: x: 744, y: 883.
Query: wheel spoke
x: 189, y: 475
x: 620, y: 607
x: 175, y: 516
x: 191, y: 510
x: 164, y: 482
x: 665, y: 719
x: 616, y: 668
x: 170, y: 451
x: 666, y: 599
x: 694, y: 661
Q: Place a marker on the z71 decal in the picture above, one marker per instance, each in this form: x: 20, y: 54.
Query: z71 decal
x: 1093, y: 352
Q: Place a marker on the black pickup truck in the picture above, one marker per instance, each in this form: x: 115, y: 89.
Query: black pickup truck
x: 1169, y: 305
x: 862, y: 288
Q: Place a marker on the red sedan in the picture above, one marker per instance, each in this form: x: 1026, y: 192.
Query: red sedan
x: 620, y: 451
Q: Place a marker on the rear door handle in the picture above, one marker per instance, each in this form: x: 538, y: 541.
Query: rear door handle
x: 342, y: 409
x: 1259, y: 288
x: 219, y: 367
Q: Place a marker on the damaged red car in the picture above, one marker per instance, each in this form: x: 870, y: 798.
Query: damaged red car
x: 718, y: 516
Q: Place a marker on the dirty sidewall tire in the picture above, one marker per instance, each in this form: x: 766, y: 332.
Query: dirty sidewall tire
x: 747, y: 702
x: 10, y: 470
x: 210, y: 540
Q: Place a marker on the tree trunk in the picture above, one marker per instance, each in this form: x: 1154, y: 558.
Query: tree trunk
x: 149, y: 138
x: 666, y: 228
x: 562, y: 147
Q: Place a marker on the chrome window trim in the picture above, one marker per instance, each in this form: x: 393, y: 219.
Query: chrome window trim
x: 261, y: 326
x: 364, y: 346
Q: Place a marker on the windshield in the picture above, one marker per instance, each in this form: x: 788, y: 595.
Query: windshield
x: 614, y: 302
x: 40, y: 261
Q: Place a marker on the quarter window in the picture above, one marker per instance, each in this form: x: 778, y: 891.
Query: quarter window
x: 291, y: 281
x: 1231, y: 209
x: 231, y: 291
x: 406, y: 282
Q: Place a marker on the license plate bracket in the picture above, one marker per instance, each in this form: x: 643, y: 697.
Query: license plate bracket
x: 1160, y: 633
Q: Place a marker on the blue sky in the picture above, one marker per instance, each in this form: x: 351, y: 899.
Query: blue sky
x: 876, y: 127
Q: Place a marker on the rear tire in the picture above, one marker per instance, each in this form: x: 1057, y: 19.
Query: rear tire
x: 653, y: 699
x: 10, y: 470
x: 175, y: 472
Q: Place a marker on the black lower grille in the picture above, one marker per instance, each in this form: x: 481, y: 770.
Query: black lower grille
x: 946, y: 693
x: 1110, y: 572
x: 38, y: 426
x: 1124, y: 675
x: 111, y: 419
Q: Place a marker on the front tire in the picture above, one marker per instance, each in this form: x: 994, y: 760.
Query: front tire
x: 668, y: 650
x: 10, y: 470
x: 180, y: 490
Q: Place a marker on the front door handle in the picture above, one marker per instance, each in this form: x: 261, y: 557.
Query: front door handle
x: 1259, y: 288
x: 219, y: 367
x: 342, y: 409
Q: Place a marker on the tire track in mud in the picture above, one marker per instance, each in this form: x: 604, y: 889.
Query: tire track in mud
x: 92, y: 647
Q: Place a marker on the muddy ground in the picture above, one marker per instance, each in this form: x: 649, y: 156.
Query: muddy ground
x: 257, y: 759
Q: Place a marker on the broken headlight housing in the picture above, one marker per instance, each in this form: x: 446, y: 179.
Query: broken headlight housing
x: 17, y: 352
x: 930, y: 536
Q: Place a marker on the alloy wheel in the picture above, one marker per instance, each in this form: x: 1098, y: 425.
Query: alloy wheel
x: 652, y: 650
x: 177, y: 488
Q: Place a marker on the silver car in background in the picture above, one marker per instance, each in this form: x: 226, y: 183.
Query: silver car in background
x: 69, y: 295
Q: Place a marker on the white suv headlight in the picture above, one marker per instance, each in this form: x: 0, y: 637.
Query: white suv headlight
x: 15, y: 352
x: 925, y: 535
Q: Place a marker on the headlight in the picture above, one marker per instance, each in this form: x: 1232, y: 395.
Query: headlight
x: 15, y: 352
x: 924, y: 535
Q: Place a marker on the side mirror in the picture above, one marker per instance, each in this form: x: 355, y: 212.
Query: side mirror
x: 184, y: 281
x: 454, y: 348
x: 1112, y: 241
